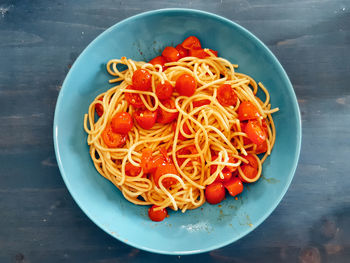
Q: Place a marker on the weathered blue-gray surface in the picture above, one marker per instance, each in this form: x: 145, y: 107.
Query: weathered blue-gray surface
x: 39, y: 40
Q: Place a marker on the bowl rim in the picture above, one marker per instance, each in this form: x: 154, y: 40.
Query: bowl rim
x: 280, y: 70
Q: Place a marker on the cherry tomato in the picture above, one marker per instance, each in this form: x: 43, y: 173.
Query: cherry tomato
x: 164, y: 91
x: 142, y: 80
x: 198, y: 103
x: 121, y: 122
x: 248, y: 171
x: 148, y: 162
x: 157, y: 215
x: 198, y: 53
x: 227, y: 177
x: 247, y: 111
x: 99, y: 108
x: 111, y: 139
x: 234, y: 186
x: 145, y: 118
x: 132, y: 170
x: 252, y: 161
x: 182, y: 51
x: 255, y: 132
x: 214, y: 193
x: 186, y: 130
x: 188, y: 150
x: 133, y: 98
x: 164, y: 152
x: 165, y: 168
x: 159, y: 61
x: 186, y: 85
x: 165, y: 116
x: 226, y: 95
x: 171, y: 54
x: 262, y: 148
x: 191, y: 42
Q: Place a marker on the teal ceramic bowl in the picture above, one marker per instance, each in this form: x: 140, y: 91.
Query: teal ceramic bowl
x: 142, y: 37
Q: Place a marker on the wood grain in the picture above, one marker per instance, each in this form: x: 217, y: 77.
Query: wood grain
x: 39, y: 41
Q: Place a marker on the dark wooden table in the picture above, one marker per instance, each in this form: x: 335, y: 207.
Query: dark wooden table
x: 39, y: 40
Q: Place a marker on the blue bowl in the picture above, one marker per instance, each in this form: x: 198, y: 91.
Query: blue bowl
x: 142, y: 37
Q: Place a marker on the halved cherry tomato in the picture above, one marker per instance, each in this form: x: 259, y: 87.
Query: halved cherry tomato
x: 171, y: 54
x: 252, y: 161
x: 133, y: 98
x: 214, y: 193
x: 132, y: 170
x: 99, y: 108
x: 111, y: 139
x: 247, y: 111
x: 157, y: 215
x: 186, y: 85
x: 150, y: 163
x: 248, y: 171
x: 186, y: 130
x: 188, y: 150
x: 198, y: 103
x: 159, y: 61
x: 255, y: 132
x: 234, y: 186
x: 262, y: 148
x: 198, y: 53
x: 165, y: 116
x: 227, y: 176
x: 121, y: 122
x: 191, y: 42
x: 165, y: 168
x: 142, y: 80
x: 182, y: 51
x: 145, y: 118
x: 226, y: 95
x: 164, y: 91
x: 164, y: 152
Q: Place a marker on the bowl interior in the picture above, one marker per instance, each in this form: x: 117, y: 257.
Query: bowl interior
x: 141, y: 38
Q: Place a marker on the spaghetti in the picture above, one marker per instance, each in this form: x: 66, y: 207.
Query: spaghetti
x: 214, y: 137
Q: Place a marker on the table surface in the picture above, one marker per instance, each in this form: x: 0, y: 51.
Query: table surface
x: 39, y: 41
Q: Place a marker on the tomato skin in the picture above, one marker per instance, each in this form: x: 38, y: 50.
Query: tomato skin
x: 121, y: 123
x: 164, y: 91
x: 132, y: 170
x: 133, y: 98
x: 145, y: 118
x: 182, y: 51
x: 157, y: 215
x: 164, y: 116
x: 99, y: 108
x: 249, y: 171
x: 234, y: 186
x: 262, y: 148
x: 198, y: 53
x: 150, y: 163
x: 186, y: 85
x: 191, y: 42
x: 198, y: 103
x: 227, y: 177
x: 252, y: 161
x: 165, y: 168
x: 247, y: 111
x: 255, y: 132
x: 226, y: 95
x: 171, y: 54
x: 215, y: 53
x: 159, y: 61
x: 142, y: 80
x: 111, y: 139
x: 214, y: 193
